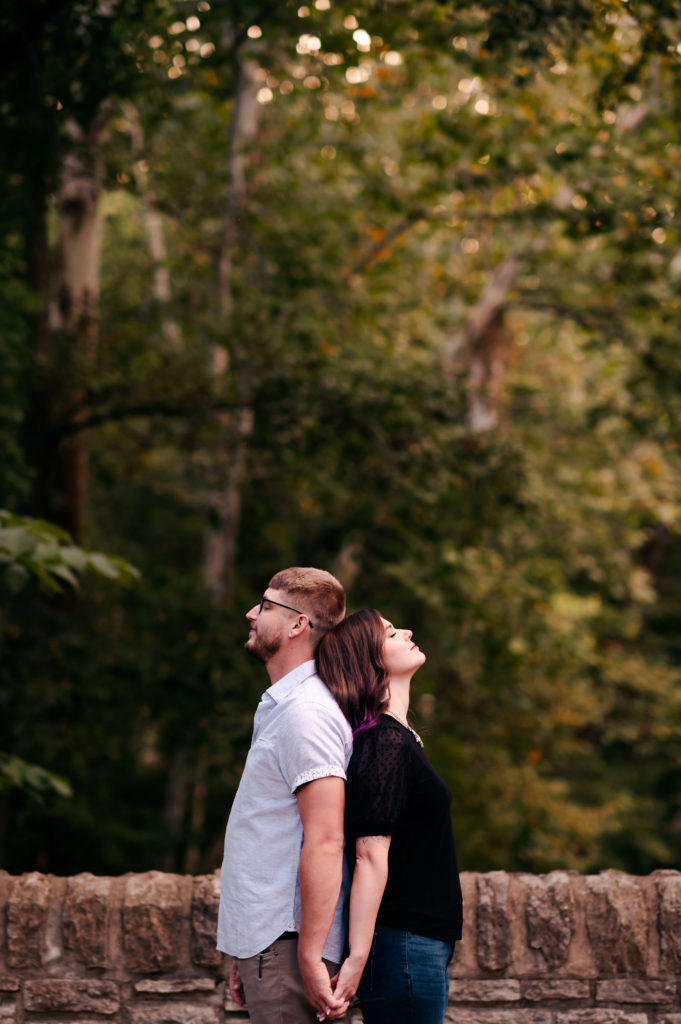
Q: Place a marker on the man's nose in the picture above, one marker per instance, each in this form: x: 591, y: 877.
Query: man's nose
x: 253, y: 612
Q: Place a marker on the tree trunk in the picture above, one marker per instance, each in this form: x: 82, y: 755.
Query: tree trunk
x: 174, y: 807
x: 485, y: 342
x: 197, y: 814
x: 153, y: 224
x: 73, y: 322
x: 221, y: 537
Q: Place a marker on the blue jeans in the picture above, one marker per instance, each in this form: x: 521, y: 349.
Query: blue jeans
x: 405, y: 980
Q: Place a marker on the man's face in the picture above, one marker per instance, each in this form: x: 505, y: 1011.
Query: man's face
x: 269, y: 626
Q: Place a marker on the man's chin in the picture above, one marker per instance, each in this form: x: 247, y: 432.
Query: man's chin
x: 251, y: 647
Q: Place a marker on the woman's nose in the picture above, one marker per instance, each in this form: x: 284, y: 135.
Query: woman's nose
x: 409, y: 633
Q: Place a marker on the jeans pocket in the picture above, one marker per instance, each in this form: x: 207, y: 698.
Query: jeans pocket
x: 366, y: 982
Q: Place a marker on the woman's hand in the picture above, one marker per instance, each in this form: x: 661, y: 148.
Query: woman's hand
x: 346, y: 982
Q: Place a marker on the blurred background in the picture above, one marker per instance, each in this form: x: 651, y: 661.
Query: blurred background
x: 390, y: 288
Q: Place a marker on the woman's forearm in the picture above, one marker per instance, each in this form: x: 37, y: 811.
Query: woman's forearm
x: 368, y: 884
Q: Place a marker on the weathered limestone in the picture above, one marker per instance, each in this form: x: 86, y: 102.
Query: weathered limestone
x: 505, y: 990
x: 550, y: 916
x: 669, y: 924
x: 493, y: 924
x: 172, y: 987
x: 26, y: 920
x: 205, y: 903
x: 601, y: 1017
x: 547, y: 990
x: 617, y: 923
x: 174, y: 1013
x: 86, y: 911
x: 71, y: 995
x: 155, y: 922
x: 552, y: 949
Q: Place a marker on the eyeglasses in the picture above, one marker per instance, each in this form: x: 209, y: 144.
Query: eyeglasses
x: 287, y: 606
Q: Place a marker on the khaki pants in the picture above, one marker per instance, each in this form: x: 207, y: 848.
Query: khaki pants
x: 273, y: 987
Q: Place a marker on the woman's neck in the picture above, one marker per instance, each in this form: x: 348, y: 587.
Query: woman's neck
x: 398, y: 705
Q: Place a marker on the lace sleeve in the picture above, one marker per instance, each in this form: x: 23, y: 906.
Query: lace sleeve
x: 379, y: 778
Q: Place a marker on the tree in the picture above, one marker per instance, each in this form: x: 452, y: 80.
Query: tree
x: 423, y: 312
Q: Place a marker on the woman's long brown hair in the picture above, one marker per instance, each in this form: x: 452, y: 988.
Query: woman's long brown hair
x: 350, y: 661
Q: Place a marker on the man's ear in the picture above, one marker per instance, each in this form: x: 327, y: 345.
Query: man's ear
x: 301, y: 624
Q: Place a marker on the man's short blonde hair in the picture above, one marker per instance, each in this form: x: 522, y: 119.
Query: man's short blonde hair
x: 319, y: 594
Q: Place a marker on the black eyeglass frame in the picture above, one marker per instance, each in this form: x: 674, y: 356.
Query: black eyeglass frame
x: 288, y: 607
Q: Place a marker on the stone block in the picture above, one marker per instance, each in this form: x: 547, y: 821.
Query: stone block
x: 458, y: 1015
x: 9, y: 984
x: 669, y: 920
x: 636, y: 990
x: 71, y: 995
x: 232, y: 1007
x: 484, y: 990
x: 71, y: 1020
x: 26, y: 920
x: 617, y: 923
x: 86, y: 921
x: 154, y: 922
x: 601, y: 1016
x: 465, y: 962
x: 8, y: 1011
x: 172, y: 986
x: 668, y: 1018
x: 171, y: 1012
x: 550, y: 916
x: 545, y: 990
x: 204, y: 921
x: 493, y: 926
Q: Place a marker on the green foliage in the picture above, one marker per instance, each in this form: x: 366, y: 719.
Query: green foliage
x: 32, y: 550
x: 403, y: 153
x: 15, y: 773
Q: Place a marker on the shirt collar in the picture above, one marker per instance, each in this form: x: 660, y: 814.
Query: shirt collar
x: 283, y: 687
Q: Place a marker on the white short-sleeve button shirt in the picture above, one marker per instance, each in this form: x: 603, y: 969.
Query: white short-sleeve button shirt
x: 299, y: 734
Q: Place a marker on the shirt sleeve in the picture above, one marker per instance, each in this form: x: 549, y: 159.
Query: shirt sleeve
x: 379, y: 780
x: 313, y: 746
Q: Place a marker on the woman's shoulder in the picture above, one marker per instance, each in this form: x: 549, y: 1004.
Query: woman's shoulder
x: 385, y: 739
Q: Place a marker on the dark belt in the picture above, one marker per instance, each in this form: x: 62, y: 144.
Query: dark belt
x: 287, y: 935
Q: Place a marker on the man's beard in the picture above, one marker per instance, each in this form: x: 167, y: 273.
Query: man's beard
x: 263, y: 648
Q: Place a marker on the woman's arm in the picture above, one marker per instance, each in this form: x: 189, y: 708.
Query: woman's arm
x: 368, y: 883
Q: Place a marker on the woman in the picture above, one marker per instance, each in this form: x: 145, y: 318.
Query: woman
x: 405, y: 902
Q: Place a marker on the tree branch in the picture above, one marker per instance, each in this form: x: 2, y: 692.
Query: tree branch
x: 74, y: 426
x: 385, y: 240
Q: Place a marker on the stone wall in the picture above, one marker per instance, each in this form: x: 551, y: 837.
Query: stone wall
x: 551, y: 949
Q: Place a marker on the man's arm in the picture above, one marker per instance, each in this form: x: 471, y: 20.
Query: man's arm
x: 321, y: 805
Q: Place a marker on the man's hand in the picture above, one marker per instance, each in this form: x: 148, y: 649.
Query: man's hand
x: 319, y: 991
x: 236, y: 988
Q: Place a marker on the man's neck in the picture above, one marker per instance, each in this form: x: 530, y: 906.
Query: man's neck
x: 284, y: 662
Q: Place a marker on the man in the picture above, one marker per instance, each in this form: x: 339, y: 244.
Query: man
x: 281, y: 906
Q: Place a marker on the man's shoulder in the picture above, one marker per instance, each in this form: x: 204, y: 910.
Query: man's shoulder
x: 312, y: 696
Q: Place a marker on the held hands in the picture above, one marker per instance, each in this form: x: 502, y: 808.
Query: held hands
x: 347, y: 980
x: 319, y: 991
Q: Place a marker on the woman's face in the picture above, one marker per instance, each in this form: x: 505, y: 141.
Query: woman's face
x: 401, y: 655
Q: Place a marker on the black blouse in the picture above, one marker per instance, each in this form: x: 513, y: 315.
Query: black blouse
x: 393, y: 790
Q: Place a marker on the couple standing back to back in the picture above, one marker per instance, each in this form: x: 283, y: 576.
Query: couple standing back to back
x: 284, y: 882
